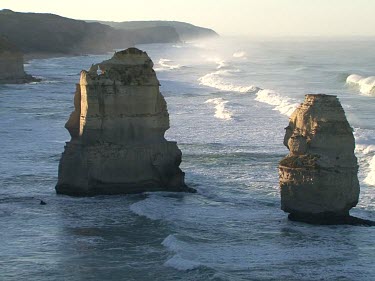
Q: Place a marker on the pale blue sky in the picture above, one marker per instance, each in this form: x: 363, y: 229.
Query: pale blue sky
x: 228, y: 17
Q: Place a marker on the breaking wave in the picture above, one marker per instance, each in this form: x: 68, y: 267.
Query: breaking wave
x: 365, y: 150
x: 178, y: 262
x: 221, y: 112
x: 366, y: 84
x: 370, y: 179
x: 166, y: 64
x: 283, y: 104
x: 215, y: 80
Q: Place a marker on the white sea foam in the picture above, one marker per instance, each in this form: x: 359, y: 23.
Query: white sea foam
x: 366, y: 84
x: 239, y: 54
x: 370, y: 179
x: 365, y: 150
x: 221, y: 112
x: 166, y: 64
x: 217, y: 80
x: 284, y: 105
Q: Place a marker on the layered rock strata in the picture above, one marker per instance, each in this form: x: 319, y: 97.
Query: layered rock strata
x: 117, y: 132
x: 318, y: 179
x: 11, y: 65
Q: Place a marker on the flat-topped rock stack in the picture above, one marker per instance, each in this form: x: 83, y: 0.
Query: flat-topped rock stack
x: 11, y: 65
x: 117, y: 132
x: 318, y: 179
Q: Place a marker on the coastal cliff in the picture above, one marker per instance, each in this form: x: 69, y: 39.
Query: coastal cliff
x: 117, y: 132
x: 11, y: 64
x: 186, y: 31
x: 318, y: 179
x: 49, y: 34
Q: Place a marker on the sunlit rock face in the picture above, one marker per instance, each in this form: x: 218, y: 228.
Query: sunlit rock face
x: 318, y: 179
x: 11, y: 65
x: 117, y: 132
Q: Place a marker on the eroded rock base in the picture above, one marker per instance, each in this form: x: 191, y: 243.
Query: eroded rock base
x: 19, y: 80
x: 330, y: 219
x: 120, y: 169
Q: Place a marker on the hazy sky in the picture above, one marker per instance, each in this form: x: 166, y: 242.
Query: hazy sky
x: 228, y: 17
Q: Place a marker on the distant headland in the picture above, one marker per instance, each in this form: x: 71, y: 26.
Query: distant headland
x: 38, y: 34
x: 186, y: 31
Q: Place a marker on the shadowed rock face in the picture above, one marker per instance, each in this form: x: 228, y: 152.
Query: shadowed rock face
x: 11, y: 65
x: 117, y: 132
x: 318, y: 179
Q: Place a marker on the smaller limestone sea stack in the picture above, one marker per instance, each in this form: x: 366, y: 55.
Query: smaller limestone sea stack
x: 318, y: 179
x: 11, y: 65
x: 117, y: 132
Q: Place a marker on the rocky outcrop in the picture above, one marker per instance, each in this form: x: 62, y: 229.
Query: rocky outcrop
x: 11, y: 65
x: 117, y: 132
x: 318, y: 179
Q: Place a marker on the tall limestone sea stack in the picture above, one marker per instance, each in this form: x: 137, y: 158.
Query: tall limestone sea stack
x: 117, y: 132
x: 11, y: 64
x: 318, y: 179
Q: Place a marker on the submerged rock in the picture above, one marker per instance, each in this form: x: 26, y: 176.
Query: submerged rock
x: 11, y: 65
x: 117, y: 132
x: 318, y: 179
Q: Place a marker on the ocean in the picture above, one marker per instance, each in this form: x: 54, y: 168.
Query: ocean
x: 229, y: 100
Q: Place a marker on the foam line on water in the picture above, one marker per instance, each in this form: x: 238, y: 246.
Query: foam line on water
x: 366, y: 85
x: 221, y: 256
x: 283, y: 104
x: 215, y: 80
x: 220, y: 111
x: 219, y: 80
